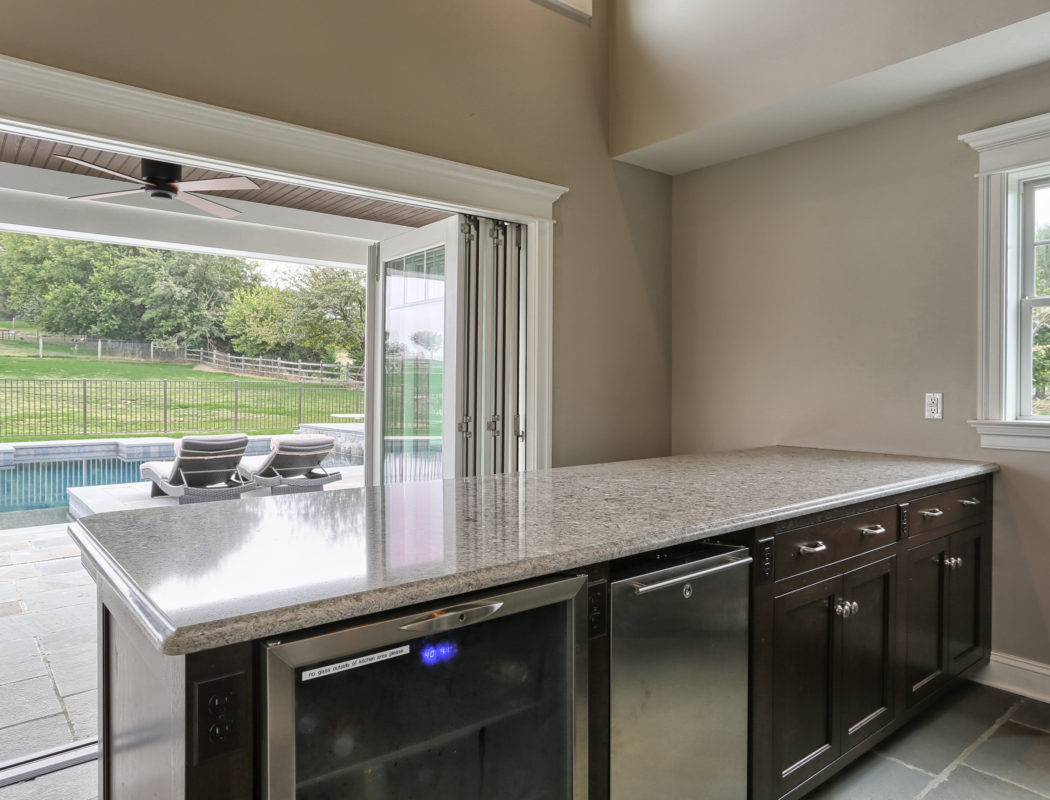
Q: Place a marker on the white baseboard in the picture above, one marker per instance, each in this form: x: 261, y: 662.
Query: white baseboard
x: 1017, y: 675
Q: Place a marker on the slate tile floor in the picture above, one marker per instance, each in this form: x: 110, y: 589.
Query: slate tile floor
x: 978, y: 744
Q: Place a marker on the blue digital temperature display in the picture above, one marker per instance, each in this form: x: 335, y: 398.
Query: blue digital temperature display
x: 434, y: 654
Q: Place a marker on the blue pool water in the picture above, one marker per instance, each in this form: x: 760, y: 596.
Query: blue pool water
x: 43, y: 484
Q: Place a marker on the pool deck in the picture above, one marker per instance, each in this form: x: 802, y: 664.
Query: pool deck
x: 87, y: 500
x: 48, y: 692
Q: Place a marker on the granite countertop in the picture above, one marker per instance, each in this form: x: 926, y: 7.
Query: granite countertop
x: 201, y: 576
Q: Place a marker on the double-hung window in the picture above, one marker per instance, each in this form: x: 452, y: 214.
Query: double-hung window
x: 1014, y: 258
x: 1034, y: 302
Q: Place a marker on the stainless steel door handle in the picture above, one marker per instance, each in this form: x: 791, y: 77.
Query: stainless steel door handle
x: 933, y: 512
x: 727, y: 563
x: 445, y: 619
x: 816, y: 547
x: 873, y: 530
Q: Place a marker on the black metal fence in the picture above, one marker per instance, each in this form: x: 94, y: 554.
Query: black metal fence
x: 53, y: 408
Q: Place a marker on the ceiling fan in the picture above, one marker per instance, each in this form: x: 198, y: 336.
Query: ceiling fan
x: 164, y: 181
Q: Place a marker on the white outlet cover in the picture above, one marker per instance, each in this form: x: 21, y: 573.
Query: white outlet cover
x: 934, y: 405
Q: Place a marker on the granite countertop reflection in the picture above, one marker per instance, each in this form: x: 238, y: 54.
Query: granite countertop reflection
x: 202, y: 576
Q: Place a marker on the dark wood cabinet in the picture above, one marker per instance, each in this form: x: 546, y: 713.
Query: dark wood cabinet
x: 805, y: 730
x: 927, y: 601
x: 832, y: 684
x: 860, y: 617
x: 948, y: 609
x: 867, y: 685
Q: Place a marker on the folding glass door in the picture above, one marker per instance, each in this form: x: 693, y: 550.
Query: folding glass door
x: 447, y: 322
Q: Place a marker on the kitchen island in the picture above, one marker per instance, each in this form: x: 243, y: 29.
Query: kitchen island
x: 185, y: 593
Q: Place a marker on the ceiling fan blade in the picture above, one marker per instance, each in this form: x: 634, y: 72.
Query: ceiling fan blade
x: 218, y: 185
x: 97, y: 168
x: 106, y: 194
x: 205, y: 204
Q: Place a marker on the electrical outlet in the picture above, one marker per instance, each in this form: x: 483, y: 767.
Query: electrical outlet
x: 934, y: 405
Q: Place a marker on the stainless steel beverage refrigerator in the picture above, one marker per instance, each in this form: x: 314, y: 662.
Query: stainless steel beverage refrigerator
x: 478, y: 698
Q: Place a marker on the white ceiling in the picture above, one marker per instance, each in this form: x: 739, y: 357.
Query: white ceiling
x: 885, y: 91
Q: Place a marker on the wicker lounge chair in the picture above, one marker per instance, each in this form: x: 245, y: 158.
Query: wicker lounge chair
x: 205, y: 468
x: 292, y: 465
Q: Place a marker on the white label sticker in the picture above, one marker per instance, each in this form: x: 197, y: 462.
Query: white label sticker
x: 354, y: 663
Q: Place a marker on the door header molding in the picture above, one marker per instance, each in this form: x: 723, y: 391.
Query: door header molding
x: 55, y: 104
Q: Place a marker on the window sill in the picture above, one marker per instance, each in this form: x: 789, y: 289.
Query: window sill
x: 1014, y: 434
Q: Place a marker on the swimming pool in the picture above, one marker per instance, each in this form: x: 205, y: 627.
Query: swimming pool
x: 43, y: 484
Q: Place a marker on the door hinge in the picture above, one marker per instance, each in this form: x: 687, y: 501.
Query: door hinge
x: 463, y: 426
x: 493, y: 425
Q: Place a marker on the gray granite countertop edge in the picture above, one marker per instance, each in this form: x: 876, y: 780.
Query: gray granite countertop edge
x: 172, y: 640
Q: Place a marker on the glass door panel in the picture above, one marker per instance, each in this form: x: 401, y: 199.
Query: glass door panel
x: 414, y: 337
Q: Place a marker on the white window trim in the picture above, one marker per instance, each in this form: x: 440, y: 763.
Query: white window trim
x: 1008, y: 154
x: 64, y: 106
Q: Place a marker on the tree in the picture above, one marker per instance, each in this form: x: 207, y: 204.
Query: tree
x: 1041, y: 319
x: 119, y: 291
x: 258, y: 322
x: 328, y: 312
x: 426, y: 340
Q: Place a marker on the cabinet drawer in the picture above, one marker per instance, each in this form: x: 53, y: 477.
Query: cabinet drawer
x: 945, y: 508
x: 819, y: 545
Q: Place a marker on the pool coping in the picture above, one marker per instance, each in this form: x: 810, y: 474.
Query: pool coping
x: 141, y: 449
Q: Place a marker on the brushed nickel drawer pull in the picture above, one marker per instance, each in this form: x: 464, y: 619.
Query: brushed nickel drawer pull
x: 951, y: 563
x: 843, y: 609
x: 973, y: 501
x: 854, y: 607
x: 817, y: 547
x: 933, y: 512
x: 872, y: 530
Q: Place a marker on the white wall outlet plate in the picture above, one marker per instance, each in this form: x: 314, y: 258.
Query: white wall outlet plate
x: 934, y: 405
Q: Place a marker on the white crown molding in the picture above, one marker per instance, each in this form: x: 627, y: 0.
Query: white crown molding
x: 1012, y: 146
x: 56, y: 104
x: 1018, y: 675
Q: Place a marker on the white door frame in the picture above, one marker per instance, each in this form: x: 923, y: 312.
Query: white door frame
x: 80, y: 110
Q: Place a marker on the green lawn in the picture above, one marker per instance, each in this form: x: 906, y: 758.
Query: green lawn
x: 63, y: 398
x: 19, y: 325
x: 54, y: 368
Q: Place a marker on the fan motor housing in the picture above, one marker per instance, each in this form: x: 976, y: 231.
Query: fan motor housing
x: 161, y: 175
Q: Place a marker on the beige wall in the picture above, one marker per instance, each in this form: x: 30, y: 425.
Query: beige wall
x: 680, y: 65
x: 504, y: 84
x: 818, y: 290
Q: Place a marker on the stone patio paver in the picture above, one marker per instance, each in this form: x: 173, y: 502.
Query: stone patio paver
x: 83, y: 712
x: 35, y: 735
x: 25, y: 700
x: 48, y: 669
x: 21, y: 659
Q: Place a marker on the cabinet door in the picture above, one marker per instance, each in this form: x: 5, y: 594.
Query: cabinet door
x: 866, y: 691
x: 805, y: 729
x: 966, y: 588
x: 926, y: 619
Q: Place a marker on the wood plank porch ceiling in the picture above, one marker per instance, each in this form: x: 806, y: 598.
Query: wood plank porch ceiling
x: 31, y: 152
